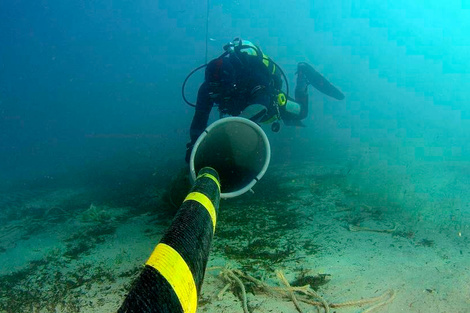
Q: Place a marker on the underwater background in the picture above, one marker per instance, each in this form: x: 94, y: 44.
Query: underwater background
x: 93, y: 129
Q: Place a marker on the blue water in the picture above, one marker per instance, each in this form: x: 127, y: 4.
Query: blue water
x: 96, y: 85
x: 84, y: 80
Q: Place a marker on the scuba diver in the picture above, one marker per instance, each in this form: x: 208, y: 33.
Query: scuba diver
x: 245, y: 82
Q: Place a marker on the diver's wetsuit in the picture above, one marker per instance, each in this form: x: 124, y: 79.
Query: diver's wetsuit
x: 252, y: 84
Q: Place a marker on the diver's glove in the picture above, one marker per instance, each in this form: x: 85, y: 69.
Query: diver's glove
x: 189, y: 149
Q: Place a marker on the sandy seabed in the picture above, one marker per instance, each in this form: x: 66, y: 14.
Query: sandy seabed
x: 64, y: 249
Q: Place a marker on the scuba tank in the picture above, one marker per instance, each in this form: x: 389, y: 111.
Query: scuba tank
x: 288, y: 105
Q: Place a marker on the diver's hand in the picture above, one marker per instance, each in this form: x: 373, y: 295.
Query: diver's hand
x: 189, y: 149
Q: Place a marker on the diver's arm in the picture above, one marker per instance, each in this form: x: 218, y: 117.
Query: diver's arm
x: 204, y: 106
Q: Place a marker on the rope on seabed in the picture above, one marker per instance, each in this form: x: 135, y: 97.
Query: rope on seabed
x: 306, y: 293
x: 283, y: 279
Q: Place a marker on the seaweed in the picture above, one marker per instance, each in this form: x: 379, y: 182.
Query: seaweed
x: 314, y: 281
x: 75, y: 249
x: 45, y: 286
x: 311, y: 248
x: 261, y: 227
x: 425, y: 243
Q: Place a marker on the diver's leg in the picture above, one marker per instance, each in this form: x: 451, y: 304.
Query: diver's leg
x: 319, y: 82
x: 301, y: 91
x: 255, y: 112
x: 259, y: 106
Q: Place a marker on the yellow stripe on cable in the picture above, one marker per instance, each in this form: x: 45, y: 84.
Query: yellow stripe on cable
x: 169, y: 263
x: 211, y: 177
x: 206, y: 203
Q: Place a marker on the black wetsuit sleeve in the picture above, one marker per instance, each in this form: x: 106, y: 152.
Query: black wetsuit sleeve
x: 204, y: 106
